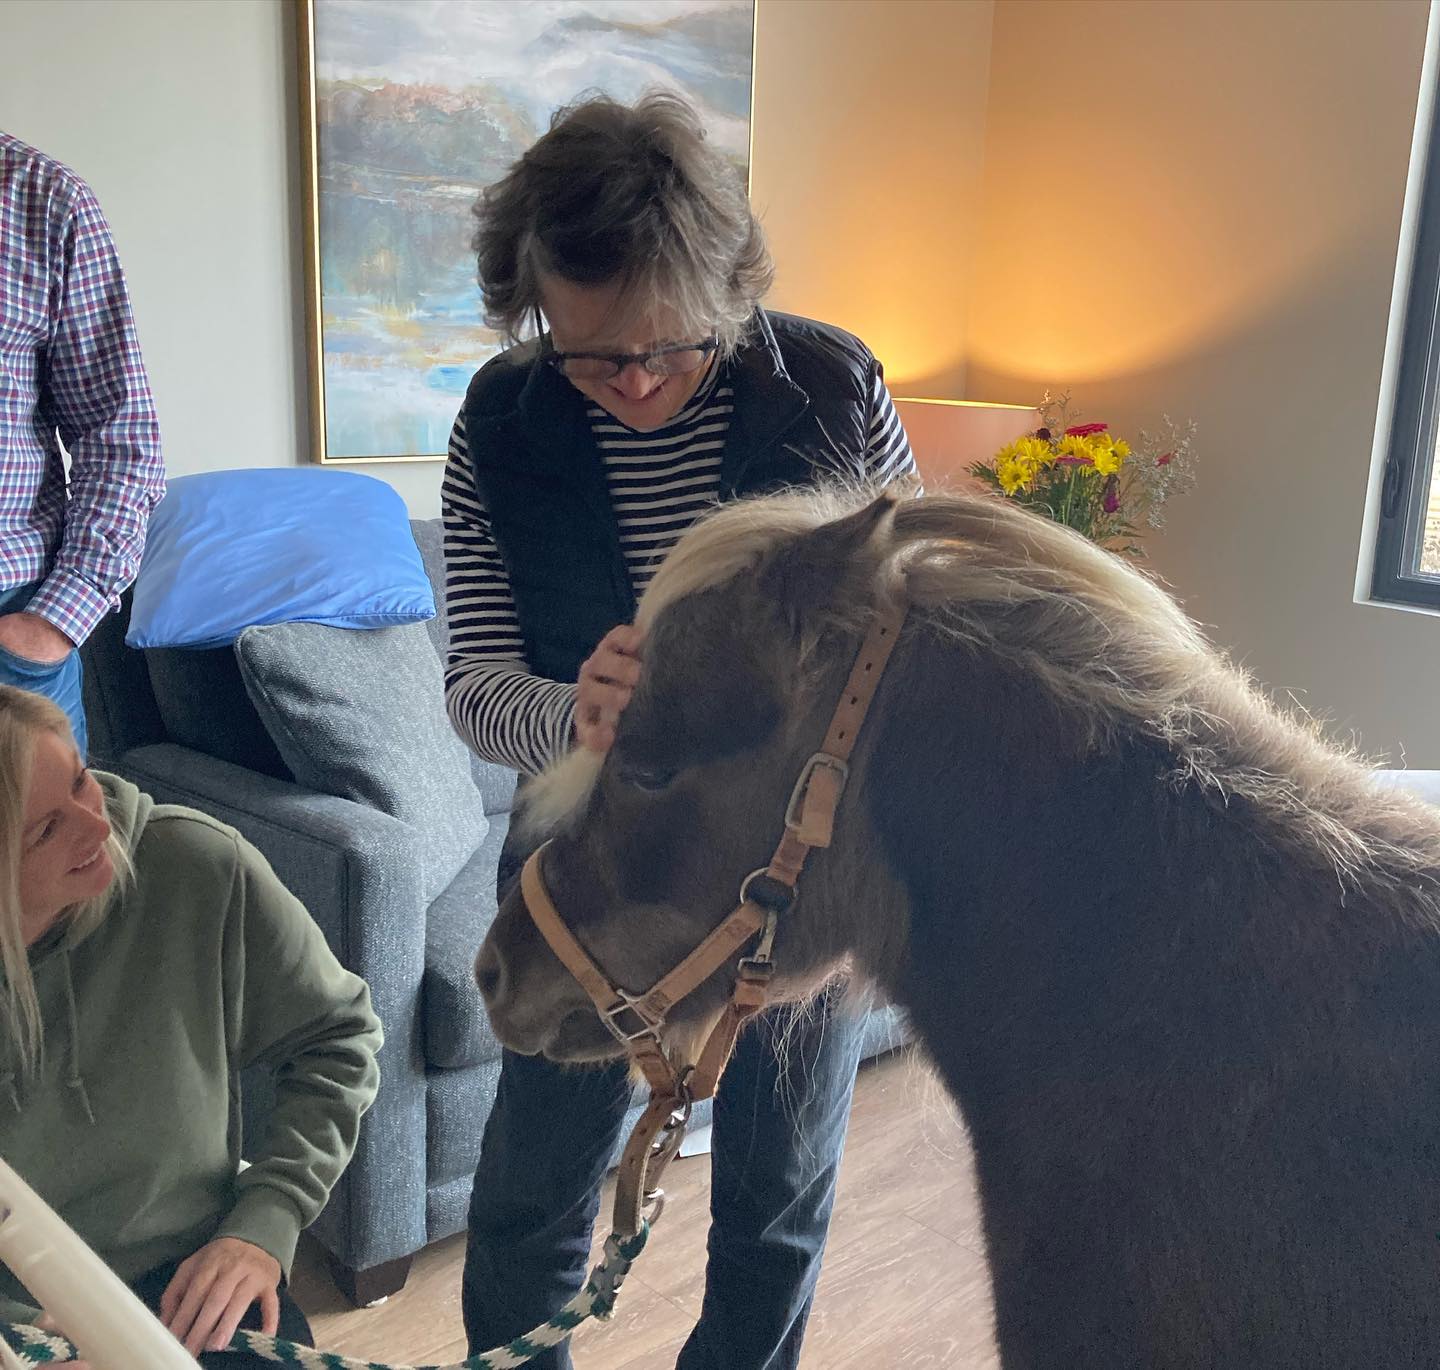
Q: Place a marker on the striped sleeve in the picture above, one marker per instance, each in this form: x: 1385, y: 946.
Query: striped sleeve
x: 887, y: 454
x: 503, y: 711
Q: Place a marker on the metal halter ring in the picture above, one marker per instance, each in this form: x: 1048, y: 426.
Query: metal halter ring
x: 680, y: 1115
x: 760, y: 887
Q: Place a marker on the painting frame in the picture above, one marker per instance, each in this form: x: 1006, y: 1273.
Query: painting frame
x: 313, y: 247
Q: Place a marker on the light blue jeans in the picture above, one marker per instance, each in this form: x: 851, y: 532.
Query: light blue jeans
x: 61, y: 681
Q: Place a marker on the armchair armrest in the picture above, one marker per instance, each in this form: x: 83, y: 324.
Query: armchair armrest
x: 359, y: 872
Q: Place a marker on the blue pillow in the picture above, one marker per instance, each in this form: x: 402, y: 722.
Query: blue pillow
x: 230, y: 550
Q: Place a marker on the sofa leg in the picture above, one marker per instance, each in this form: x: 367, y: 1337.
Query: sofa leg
x: 366, y: 1287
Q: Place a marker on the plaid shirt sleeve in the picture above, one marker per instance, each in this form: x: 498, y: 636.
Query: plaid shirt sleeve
x: 94, y: 391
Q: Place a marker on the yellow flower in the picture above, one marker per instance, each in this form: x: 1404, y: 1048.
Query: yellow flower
x: 1103, y: 454
x: 1108, y: 453
x: 1036, y: 451
x: 1079, y: 448
x: 1013, y: 471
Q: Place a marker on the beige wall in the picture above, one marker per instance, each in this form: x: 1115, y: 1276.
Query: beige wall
x: 868, y: 151
x: 181, y: 115
x: 1207, y: 224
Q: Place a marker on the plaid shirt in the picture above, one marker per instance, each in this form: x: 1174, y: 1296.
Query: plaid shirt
x: 70, y: 371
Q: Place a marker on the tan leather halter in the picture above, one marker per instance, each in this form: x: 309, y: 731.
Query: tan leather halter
x: 637, y: 1020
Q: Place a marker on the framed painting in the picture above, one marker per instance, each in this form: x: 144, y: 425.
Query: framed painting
x: 410, y: 108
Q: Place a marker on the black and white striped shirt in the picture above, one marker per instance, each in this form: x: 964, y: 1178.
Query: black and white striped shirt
x: 660, y: 483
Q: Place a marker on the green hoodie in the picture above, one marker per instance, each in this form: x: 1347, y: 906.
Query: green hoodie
x: 203, y: 965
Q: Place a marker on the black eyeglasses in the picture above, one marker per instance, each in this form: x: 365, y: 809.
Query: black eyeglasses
x: 679, y: 359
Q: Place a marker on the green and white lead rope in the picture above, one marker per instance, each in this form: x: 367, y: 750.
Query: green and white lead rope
x: 595, y: 1300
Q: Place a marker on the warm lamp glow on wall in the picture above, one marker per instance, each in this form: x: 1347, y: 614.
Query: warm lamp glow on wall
x: 948, y: 435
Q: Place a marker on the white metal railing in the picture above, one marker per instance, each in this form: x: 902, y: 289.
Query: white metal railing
x: 93, y: 1307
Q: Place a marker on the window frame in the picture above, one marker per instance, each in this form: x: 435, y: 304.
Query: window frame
x: 1415, y: 415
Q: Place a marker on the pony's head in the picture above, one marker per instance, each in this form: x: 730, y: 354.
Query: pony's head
x: 743, y: 626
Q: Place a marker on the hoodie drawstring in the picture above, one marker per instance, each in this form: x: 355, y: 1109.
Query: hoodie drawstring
x: 73, y: 1079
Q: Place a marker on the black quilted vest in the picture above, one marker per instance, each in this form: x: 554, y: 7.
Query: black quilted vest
x: 802, y: 410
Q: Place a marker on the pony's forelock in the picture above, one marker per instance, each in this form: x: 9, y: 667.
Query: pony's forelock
x: 738, y: 536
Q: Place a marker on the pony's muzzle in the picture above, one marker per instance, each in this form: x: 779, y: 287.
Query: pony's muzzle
x: 494, y: 980
x: 529, y: 996
x: 490, y: 973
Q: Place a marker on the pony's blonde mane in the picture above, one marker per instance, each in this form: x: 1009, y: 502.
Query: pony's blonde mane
x: 1111, y: 647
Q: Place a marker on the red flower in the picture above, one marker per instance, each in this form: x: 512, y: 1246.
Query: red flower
x: 1165, y: 460
x: 1083, y: 430
x: 1074, y: 461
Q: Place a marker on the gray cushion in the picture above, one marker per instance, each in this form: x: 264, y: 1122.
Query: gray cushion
x: 454, y: 1025
x: 495, y: 783
x: 361, y: 714
x: 429, y: 535
x: 457, y: 1103
x: 202, y: 702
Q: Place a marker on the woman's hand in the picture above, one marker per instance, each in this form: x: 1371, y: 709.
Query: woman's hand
x: 47, y: 1324
x: 607, y: 680
x: 213, y: 1289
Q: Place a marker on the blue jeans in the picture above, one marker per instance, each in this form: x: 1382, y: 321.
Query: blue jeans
x: 61, y: 681
x: 779, y: 1128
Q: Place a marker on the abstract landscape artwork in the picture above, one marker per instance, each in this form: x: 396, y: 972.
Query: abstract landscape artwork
x: 411, y: 108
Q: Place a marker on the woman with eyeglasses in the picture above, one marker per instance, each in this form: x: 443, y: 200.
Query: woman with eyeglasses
x: 653, y: 385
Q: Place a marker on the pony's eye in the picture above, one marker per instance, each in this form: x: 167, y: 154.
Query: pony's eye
x: 651, y: 779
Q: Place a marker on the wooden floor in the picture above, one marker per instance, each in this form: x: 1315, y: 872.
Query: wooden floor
x: 904, y: 1281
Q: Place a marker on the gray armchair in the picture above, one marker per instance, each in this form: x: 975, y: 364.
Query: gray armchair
x: 183, y: 727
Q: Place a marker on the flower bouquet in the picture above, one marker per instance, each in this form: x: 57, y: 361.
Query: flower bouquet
x: 1082, y: 475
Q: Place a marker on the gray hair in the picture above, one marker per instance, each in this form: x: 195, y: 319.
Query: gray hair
x: 631, y: 195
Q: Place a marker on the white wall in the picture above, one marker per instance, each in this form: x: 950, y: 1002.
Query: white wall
x: 181, y: 115
x: 1209, y: 227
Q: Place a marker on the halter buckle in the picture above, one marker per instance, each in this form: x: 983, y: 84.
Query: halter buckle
x: 650, y: 1024
x: 795, y: 809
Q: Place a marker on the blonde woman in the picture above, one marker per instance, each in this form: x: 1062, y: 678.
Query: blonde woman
x: 149, y: 954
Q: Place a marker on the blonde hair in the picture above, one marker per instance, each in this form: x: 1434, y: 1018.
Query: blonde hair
x: 22, y: 716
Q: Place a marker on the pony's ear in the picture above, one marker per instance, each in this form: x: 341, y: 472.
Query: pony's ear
x: 836, y: 560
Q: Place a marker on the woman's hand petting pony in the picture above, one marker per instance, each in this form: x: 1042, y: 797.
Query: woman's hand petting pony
x: 607, y: 680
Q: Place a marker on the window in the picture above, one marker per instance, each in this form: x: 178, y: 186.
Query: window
x: 1407, y: 542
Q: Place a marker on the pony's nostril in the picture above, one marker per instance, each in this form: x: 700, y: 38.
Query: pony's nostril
x: 488, y: 973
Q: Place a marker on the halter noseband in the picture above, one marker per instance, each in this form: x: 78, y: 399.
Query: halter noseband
x: 637, y: 1020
